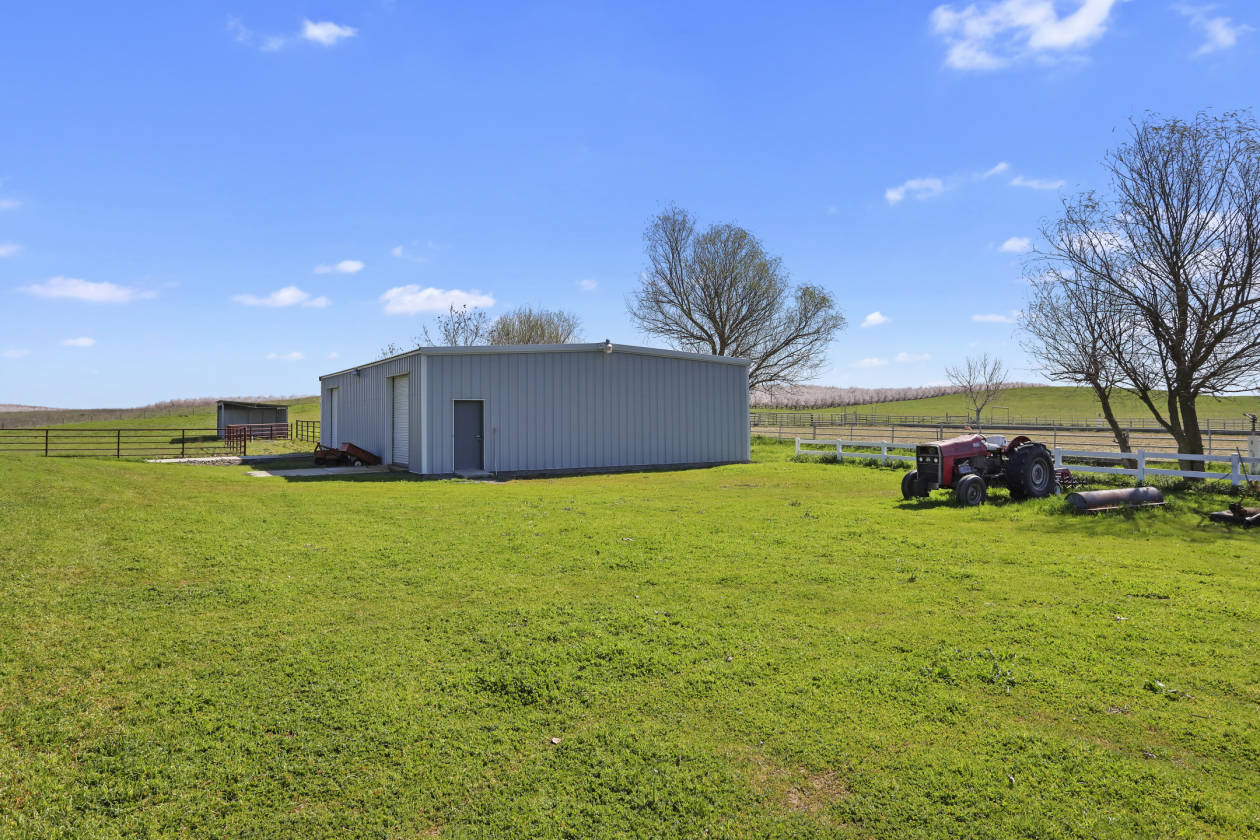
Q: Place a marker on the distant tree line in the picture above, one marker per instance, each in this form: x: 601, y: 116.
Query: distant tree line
x: 465, y: 327
x: 822, y: 396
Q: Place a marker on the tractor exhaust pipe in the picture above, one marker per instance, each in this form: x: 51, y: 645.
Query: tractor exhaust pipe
x: 1093, y: 501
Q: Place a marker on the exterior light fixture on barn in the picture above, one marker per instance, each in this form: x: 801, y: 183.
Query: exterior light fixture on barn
x: 234, y: 413
x: 541, y: 408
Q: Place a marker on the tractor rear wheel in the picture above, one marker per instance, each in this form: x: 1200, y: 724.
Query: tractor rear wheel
x: 910, y: 485
x: 1030, y: 473
x: 971, y: 490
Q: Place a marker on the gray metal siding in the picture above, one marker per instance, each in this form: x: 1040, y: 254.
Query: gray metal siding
x: 365, y: 415
x: 555, y: 411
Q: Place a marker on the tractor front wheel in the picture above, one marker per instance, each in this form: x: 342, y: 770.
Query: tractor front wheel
x: 971, y: 490
x: 910, y: 485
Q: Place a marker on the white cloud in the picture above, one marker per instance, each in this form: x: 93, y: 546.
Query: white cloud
x: 871, y: 362
x: 332, y: 355
x: 988, y: 36
x: 1219, y: 32
x: 288, y: 296
x: 293, y: 356
x: 14, y: 354
x: 326, y: 33
x: 874, y: 319
x: 1037, y: 183
x: 403, y: 254
x: 9, y: 204
x: 997, y: 318
x: 343, y: 267
x: 410, y: 299
x: 919, y: 188
x: 1016, y: 245
x: 8, y: 249
x: 72, y: 288
x: 586, y: 284
x: 240, y: 32
x: 82, y: 341
x: 998, y: 169
x: 905, y: 357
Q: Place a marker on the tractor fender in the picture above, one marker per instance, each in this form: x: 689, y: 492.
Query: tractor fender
x: 1016, y: 442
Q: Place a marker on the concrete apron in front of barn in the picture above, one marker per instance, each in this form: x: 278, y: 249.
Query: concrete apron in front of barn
x: 314, y: 471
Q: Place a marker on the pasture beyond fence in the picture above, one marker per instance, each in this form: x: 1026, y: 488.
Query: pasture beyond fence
x: 789, y: 425
x: 1241, y: 468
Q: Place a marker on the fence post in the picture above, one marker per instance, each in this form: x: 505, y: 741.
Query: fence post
x: 1058, y: 457
x: 883, y: 453
x: 839, y: 451
x: 798, y: 446
x: 183, y: 436
x: 45, y: 443
x: 117, y: 443
x: 1209, y: 437
x: 1235, y: 469
x: 1141, y: 466
x: 780, y: 427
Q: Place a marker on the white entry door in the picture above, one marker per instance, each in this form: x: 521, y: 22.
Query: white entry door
x: 399, y: 387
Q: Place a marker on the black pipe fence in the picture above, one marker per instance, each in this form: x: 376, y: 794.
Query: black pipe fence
x: 123, y: 443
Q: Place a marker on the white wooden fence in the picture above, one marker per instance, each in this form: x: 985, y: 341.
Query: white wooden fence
x: 1241, y: 467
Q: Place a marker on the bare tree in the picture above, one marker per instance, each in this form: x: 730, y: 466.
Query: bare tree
x: 462, y: 327
x: 719, y: 292
x: 1068, y: 324
x: 980, y: 379
x: 1177, y: 250
x: 393, y: 348
x: 526, y: 325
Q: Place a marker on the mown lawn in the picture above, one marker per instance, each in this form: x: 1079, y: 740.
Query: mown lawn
x: 766, y: 650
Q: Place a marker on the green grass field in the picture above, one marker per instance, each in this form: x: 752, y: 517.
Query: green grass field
x: 1056, y: 402
x: 774, y: 649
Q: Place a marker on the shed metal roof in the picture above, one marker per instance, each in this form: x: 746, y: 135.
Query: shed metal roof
x: 548, y: 348
x: 239, y: 404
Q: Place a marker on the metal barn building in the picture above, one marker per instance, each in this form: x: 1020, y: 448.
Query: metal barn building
x: 232, y: 413
x: 541, y: 408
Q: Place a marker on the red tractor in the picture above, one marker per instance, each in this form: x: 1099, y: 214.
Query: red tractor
x: 970, y: 464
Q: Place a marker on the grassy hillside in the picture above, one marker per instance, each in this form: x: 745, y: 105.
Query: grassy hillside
x: 1055, y: 401
x: 175, y: 414
x: 765, y: 650
x: 199, y: 417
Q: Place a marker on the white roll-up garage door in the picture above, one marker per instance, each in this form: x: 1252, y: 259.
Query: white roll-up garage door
x: 401, y: 422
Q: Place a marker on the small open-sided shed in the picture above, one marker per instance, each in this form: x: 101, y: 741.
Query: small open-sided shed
x: 234, y: 413
x: 541, y: 409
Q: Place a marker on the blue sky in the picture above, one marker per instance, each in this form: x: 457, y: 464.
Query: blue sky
x: 212, y: 199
